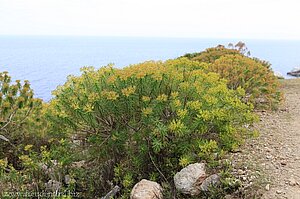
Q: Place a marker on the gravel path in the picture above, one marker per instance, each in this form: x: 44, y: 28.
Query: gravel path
x: 269, y: 166
x: 281, y: 133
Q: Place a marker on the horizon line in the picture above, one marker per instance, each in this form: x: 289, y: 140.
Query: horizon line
x: 148, y: 36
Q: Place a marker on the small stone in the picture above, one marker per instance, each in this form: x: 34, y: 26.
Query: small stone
x: 78, y: 164
x: 283, y: 163
x: 240, y: 172
x: 212, y: 180
x: 268, y: 149
x: 267, y: 187
x: 278, y: 191
x: 146, y: 189
x: 67, y: 179
x: 53, y: 185
x: 292, y: 182
x: 228, y: 197
x: 189, y: 179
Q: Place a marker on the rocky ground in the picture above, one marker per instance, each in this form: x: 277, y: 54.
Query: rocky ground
x: 269, y: 166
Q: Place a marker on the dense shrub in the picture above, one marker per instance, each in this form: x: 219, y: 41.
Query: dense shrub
x: 210, y: 55
x: 21, y: 124
x: 259, y: 82
x: 252, y: 74
x: 17, y: 108
x: 148, y: 120
x: 116, y: 126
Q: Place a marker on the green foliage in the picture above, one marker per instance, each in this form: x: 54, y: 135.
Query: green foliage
x: 259, y: 82
x: 149, y: 119
x: 40, y: 167
x: 252, y: 74
x: 210, y: 55
x: 18, y: 124
x: 16, y: 103
x: 117, y: 126
x: 21, y: 124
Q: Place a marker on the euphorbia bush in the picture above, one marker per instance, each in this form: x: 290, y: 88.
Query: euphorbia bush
x: 259, y: 82
x: 21, y: 124
x: 252, y: 74
x: 17, y: 108
x: 212, y: 54
x: 148, y: 120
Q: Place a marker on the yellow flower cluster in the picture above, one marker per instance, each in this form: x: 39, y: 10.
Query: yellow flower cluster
x: 205, y: 115
x: 184, y: 86
x: 140, y: 71
x: 45, y: 154
x: 176, y: 103
x: 147, y: 111
x: 92, y: 97
x: 28, y: 147
x: 75, y: 105
x: 194, y: 105
x: 210, y: 100
x: 3, y: 163
x: 174, y: 94
x: 140, y: 75
x: 162, y: 98
x: 182, y: 113
x: 6, y: 105
x: 21, y: 99
x: 62, y: 114
x: 128, y: 91
x: 27, y: 161
x: 184, y: 161
x: 177, y: 126
x: 111, y: 79
x: 110, y: 95
x: 146, y: 98
x: 88, y: 108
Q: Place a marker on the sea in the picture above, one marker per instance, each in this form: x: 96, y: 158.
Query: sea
x: 46, y: 61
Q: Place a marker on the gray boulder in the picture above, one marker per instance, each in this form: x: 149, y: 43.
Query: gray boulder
x: 295, y: 72
x: 189, y: 179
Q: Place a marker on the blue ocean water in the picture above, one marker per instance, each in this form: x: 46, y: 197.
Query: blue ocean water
x: 46, y: 61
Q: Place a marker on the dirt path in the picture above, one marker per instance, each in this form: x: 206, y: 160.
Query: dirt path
x: 281, y: 132
x: 276, y: 152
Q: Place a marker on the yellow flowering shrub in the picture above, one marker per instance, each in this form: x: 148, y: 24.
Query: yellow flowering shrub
x: 18, y: 122
x: 210, y: 55
x: 148, y: 115
x: 260, y: 84
x: 252, y: 74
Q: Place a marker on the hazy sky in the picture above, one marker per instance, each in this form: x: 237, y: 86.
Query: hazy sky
x: 273, y: 19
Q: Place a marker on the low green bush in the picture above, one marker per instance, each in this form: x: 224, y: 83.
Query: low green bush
x: 114, y: 126
x: 210, y: 55
x: 255, y: 76
x: 17, y: 110
x: 259, y: 82
x: 147, y: 120
x: 21, y: 124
